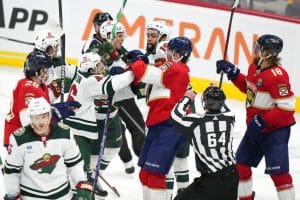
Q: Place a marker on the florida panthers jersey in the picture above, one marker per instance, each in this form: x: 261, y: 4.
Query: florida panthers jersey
x: 92, y: 92
x: 268, y: 94
x: 41, y: 167
x: 170, y: 82
x: 25, y: 90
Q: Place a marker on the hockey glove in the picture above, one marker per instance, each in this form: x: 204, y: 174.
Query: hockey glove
x: 256, y: 124
x: 135, y: 55
x: 108, y: 53
x: 84, y: 191
x: 55, y: 88
x: 116, y: 70
x: 12, y: 197
x: 228, y: 68
x: 64, y: 110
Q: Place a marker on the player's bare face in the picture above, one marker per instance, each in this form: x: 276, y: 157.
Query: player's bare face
x: 100, y: 69
x: 40, y: 123
x: 152, y: 39
x: 118, y: 40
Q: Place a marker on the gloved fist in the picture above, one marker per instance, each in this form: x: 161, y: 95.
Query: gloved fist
x: 64, y: 110
x: 108, y: 53
x: 84, y: 191
x: 135, y: 55
x: 228, y: 68
x: 12, y: 197
x: 116, y: 70
x: 55, y: 88
x: 256, y: 124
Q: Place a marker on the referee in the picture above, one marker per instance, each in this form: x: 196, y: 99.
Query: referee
x: 210, y: 136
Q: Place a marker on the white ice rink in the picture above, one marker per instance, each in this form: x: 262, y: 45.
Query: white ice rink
x: 128, y: 185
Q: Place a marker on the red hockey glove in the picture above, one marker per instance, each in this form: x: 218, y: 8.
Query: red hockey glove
x: 84, y: 190
x: 55, y: 88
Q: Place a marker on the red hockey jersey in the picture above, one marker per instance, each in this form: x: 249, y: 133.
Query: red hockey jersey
x: 169, y: 84
x: 25, y: 90
x: 268, y: 94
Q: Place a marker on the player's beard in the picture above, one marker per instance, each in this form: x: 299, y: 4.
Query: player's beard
x: 150, y: 48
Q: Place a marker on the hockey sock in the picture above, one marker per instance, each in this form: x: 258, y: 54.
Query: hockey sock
x: 245, y: 184
x: 181, y: 171
x: 284, y: 186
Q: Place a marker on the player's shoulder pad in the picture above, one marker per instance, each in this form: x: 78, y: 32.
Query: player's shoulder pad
x: 19, y: 131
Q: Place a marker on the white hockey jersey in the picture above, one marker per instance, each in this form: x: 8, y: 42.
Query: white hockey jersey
x: 92, y: 91
x: 41, y: 167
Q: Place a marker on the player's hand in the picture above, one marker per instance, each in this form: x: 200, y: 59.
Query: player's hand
x: 64, y: 109
x: 55, y: 88
x: 135, y: 55
x: 256, y: 124
x: 190, y: 94
x: 116, y: 70
x: 84, y: 191
x: 228, y: 68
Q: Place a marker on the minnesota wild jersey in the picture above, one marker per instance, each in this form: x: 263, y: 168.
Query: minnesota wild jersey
x: 92, y: 91
x: 41, y: 167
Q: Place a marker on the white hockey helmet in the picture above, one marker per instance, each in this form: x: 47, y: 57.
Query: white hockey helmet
x: 46, y: 38
x: 106, y: 29
x: 89, y: 61
x: 38, y: 106
x: 161, y: 26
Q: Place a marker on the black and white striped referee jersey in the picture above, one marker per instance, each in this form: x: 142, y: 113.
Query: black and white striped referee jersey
x: 210, y: 134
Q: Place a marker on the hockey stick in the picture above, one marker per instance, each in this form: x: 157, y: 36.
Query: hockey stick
x: 63, y: 53
x: 119, y: 15
x: 101, y: 148
x: 234, y: 5
x: 15, y: 40
x: 110, y: 186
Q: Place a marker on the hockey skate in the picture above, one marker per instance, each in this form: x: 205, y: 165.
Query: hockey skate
x: 129, y: 167
x: 100, y: 193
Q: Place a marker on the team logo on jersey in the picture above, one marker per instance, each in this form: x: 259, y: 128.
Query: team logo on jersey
x: 251, y: 93
x: 19, y: 131
x: 46, y: 164
x: 283, y: 90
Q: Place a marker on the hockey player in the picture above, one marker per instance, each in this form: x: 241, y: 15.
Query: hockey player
x: 112, y: 50
x: 158, y: 33
x: 93, y: 89
x: 95, y: 43
x: 32, y: 86
x: 41, y: 158
x: 47, y: 41
x: 163, y: 139
x: 210, y: 134
x: 269, y: 100
x: 128, y: 110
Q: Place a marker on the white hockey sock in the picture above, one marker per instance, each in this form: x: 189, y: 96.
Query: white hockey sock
x: 245, y: 189
x: 146, y: 194
x: 286, y: 193
x: 181, y: 171
x: 157, y: 194
x: 170, y: 184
